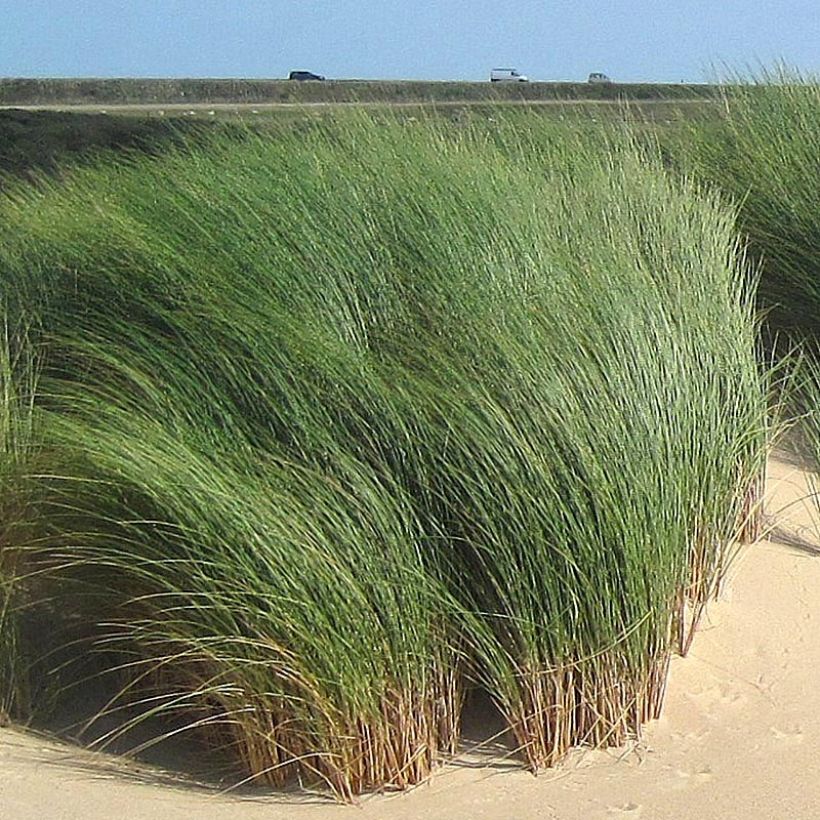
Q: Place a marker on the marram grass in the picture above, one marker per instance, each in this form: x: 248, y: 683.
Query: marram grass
x: 18, y: 457
x: 341, y: 421
x: 766, y: 159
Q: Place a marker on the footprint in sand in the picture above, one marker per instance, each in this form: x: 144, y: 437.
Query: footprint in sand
x: 626, y: 809
x: 791, y: 734
x: 701, y: 774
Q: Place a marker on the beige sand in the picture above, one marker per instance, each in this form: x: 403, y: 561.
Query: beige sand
x: 740, y: 736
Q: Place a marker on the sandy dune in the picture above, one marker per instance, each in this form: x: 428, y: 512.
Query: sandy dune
x: 740, y: 737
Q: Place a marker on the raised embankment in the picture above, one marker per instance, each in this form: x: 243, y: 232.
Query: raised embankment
x: 90, y: 91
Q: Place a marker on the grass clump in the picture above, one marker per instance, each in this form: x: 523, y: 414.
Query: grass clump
x: 765, y: 158
x: 608, y: 444
x: 18, y: 453
x: 341, y: 420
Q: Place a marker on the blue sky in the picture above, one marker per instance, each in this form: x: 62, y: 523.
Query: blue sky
x: 403, y: 39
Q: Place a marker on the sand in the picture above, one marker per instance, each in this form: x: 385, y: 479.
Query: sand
x: 740, y: 735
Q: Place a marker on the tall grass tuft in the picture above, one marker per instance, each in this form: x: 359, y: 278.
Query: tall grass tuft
x: 18, y: 453
x: 604, y: 443
x: 343, y: 419
x: 766, y: 160
x: 765, y: 157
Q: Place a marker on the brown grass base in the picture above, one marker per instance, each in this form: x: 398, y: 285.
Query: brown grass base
x: 595, y: 704
x: 394, y: 749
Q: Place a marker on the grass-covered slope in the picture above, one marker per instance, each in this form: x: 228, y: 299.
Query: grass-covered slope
x: 36, y: 141
x: 341, y: 420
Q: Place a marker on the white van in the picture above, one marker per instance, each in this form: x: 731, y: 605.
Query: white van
x: 507, y: 75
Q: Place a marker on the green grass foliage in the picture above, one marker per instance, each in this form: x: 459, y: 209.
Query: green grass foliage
x: 18, y: 458
x: 765, y: 158
x: 341, y: 420
x: 36, y: 141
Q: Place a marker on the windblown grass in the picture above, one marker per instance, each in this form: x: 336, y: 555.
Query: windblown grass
x: 766, y: 160
x: 342, y: 419
x: 18, y: 378
x: 599, y: 463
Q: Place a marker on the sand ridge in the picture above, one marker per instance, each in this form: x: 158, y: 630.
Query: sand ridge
x: 739, y: 737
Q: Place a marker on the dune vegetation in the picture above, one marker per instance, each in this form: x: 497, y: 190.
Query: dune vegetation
x: 18, y: 460
x: 334, y: 423
x: 764, y: 157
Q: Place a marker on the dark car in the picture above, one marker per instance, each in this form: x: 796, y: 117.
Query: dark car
x: 304, y: 75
